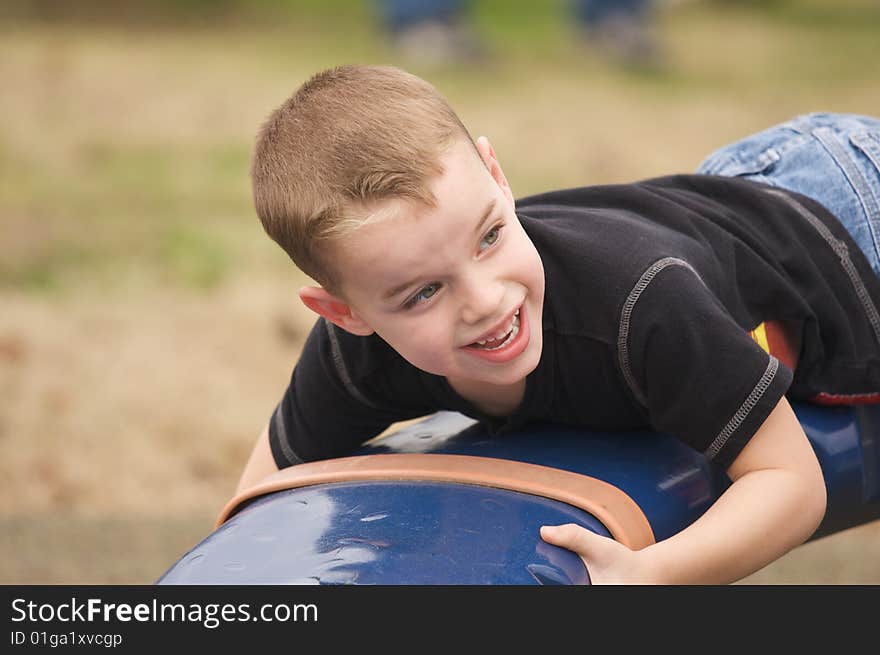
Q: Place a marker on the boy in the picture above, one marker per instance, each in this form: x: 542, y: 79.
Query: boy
x: 614, y: 307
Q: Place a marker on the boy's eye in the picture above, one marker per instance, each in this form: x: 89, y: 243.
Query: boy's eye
x: 424, y: 294
x: 490, y: 237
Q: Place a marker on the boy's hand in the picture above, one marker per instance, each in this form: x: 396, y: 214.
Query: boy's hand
x: 776, y: 500
x: 607, y: 561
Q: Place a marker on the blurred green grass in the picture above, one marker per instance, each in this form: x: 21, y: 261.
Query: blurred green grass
x: 103, y: 195
x: 124, y: 193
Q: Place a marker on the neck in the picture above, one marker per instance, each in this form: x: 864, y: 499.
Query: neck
x: 495, y: 400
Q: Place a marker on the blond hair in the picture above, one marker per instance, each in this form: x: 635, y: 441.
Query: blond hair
x: 348, y: 138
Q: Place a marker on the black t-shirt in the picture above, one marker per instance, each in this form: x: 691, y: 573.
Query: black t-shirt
x: 687, y: 304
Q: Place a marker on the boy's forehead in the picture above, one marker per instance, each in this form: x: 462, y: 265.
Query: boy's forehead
x: 395, y: 231
x: 402, y: 234
x: 387, y: 254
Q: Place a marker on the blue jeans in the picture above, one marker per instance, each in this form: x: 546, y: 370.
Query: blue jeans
x: 832, y: 158
x: 400, y: 15
x: 595, y: 12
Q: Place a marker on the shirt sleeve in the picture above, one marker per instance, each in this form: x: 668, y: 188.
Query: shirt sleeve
x: 328, y: 410
x: 698, y: 374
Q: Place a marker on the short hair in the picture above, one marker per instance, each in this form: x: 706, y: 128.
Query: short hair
x: 349, y: 137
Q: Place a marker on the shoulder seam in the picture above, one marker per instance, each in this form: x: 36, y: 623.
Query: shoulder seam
x: 283, y: 439
x: 842, y: 251
x: 626, y: 316
x: 341, y: 369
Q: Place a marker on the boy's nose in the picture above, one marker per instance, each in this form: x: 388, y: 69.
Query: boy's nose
x: 482, y: 302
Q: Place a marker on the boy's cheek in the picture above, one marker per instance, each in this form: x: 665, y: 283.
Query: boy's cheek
x: 424, y: 342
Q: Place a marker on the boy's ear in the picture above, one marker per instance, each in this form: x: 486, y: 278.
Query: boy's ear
x: 335, y: 310
x: 490, y: 159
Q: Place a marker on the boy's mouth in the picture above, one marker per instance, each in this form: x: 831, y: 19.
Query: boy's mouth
x: 501, y: 338
x: 505, y: 342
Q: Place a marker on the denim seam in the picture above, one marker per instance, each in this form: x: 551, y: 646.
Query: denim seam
x: 869, y: 145
x: 854, y: 176
x: 283, y: 440
x: 744, y: 410
x: 626, y: 316
x: 842, y: 252
x: 341, y: 368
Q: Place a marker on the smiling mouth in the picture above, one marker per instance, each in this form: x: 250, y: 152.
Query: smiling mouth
x: 499, y: 341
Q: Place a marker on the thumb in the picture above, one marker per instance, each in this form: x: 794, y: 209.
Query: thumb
x: 570, y: 536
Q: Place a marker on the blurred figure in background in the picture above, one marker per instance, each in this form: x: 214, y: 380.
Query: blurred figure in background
x: 436, y: 31
x: 430, y: 31
x: 621, y: 29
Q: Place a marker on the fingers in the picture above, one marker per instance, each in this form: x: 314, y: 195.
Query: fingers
x: 607, y: 561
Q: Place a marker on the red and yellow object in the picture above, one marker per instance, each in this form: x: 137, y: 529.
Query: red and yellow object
x: 783, y: 342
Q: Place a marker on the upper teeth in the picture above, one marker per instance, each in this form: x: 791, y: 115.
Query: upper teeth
x: 514, y: 323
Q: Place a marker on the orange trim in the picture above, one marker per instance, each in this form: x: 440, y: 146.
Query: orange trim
x: 618, y: 512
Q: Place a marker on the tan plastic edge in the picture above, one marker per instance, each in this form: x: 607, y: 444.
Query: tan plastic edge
x: 618, y: 512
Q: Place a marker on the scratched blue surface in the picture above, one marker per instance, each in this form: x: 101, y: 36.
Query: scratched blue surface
x: 388, y: 533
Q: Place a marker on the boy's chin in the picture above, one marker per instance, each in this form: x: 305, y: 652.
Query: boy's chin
x: 514, y: 372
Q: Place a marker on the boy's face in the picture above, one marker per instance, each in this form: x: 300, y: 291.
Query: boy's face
x: 433, y: 282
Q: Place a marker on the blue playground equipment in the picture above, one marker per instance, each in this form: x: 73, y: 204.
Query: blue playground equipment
x: 441, y: 502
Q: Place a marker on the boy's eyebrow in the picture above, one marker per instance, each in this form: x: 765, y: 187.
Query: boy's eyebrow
x: 486, y: 214
x: 402, y: 287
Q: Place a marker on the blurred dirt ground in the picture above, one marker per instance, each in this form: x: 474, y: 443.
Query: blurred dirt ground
x: 148, y: 326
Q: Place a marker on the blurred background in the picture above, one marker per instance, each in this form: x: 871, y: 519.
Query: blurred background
x: 148, y: 326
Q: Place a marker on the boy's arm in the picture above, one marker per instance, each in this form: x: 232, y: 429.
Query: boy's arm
x: 775, y: 502
x: 260, y: 464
